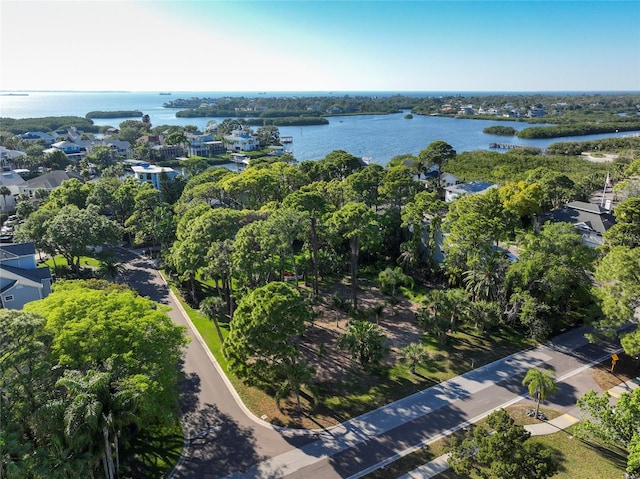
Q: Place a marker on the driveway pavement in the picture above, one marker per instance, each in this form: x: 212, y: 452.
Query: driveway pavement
x: 226, y: 441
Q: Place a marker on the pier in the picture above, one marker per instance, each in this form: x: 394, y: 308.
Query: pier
x: 511, y: 146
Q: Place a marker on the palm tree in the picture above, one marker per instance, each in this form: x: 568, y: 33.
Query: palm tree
x: 541, y: 385
x: 88, y: 419
x: 296, y: 374
x: 364, y: 340
x: 414, y: 354
x: 339, y: 304
x: 391, y: 278
x: 212, y: 307
x: 4, y: 191
x: 485, y: 278
x: 109, y: 269
x: 434, y: 314
x: 376, y: 311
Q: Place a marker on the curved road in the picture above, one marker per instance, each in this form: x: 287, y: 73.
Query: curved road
x: 227, y: 441
x: 223, y: 437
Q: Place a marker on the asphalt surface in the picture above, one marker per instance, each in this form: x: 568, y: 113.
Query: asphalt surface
x: 226, y: 441
x: 223, y: 437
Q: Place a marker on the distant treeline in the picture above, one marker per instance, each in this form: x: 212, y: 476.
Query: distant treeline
x: 558, y: 106
x: 520, y: 165
x: 244, y: 107
x: 114, y: 114
x: 47, y: 124
x: 630, y: 146
x: 290, y: 121
x: 579, y: 129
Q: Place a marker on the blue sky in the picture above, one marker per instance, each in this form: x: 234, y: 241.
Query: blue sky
x: 320, y: 45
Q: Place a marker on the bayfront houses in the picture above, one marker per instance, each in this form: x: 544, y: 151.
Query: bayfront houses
x: 473, y: 187
x: 240, y: 140
x: 21, y: 280
x: 153, y: 174
x: 590, y: 220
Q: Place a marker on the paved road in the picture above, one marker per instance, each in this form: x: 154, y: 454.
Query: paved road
x: 227, y: 442
x: 224, y: 437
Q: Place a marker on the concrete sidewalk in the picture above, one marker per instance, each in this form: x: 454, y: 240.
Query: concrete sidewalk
x: 439, y: 464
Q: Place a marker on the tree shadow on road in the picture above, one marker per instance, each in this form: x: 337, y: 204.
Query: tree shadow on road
x: 216, y: 445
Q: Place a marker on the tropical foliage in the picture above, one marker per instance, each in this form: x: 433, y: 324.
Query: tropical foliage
x: 81, y: 373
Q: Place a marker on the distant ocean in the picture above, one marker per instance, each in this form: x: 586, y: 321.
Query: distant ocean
x: 379, y: 137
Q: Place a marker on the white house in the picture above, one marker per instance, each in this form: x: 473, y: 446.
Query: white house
x: 153, y: 173
x: 241, y: 141
x: 35, y: 136
x: 119, y: 148
x: 447, y: 179
x: 474, y: 187
x: 21, y: 280
x: 7, y: 157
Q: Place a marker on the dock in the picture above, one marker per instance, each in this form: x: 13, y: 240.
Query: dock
x: 511, y: 146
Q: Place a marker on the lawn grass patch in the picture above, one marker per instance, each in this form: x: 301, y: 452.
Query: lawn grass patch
x: 584, y: 460
x: 59, y: 260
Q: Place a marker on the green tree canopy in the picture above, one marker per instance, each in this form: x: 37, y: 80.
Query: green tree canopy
x: 507, y: 452
x: 72, y: 231
x: 355, y: 222
x: 264, y: 333
x: 438, y: 153
x: 111, y: 328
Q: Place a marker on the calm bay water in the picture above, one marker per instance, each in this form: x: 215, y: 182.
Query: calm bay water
x: 379, y: 137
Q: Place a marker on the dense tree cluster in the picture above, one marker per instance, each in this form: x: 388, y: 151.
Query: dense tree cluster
x: 81, y: 373
x: 503, y: 449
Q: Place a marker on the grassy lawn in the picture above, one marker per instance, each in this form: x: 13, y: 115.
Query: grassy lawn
x: 60, y: 260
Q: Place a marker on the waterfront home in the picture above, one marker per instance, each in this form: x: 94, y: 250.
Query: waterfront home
x: 7, y: 157
x: 166, y: 152
x: 447, y: 179
x: 203, y: 144
x: 73, y: 151
x: 589, y: 219
x: 36, y: 136
x: 21, y: 281
x: 241, y: 141
x: 119, y: 148
x: 472, y: 188
x: 153, y: 174
x: 536, y: 111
